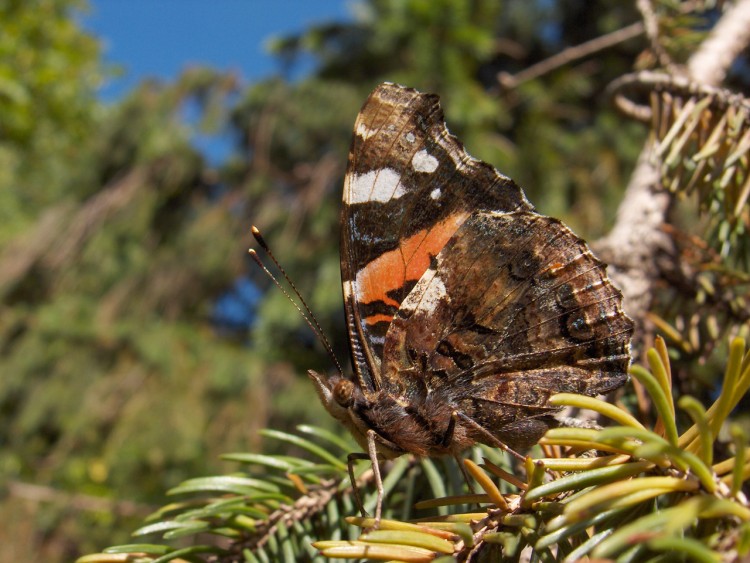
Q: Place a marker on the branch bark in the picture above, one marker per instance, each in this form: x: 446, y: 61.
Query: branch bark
x: 635, y: 244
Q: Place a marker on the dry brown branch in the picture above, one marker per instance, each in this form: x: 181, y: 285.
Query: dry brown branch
x: 77, y: 501
x: 60, y: 232
x: 304, y: 508
x: 646, y: 81
x: 94, y: 212
x: 510, y: 81
x: 651, y: 23
x: 21, y: 255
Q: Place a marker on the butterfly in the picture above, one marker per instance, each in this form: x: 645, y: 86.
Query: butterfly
x: 466, y: 309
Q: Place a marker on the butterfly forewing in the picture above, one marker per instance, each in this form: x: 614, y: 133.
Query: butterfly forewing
x: 409, y: 187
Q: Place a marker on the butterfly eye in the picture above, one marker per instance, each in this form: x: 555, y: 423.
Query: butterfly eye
x: 343, y: 393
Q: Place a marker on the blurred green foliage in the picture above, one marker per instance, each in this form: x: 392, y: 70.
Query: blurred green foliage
x: 48, y: 71
x: 117, y: 236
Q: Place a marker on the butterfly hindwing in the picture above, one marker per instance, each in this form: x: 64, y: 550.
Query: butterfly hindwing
x: 513, y: 309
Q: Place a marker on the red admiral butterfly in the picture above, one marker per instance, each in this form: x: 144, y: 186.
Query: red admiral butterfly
x: 466, y: 309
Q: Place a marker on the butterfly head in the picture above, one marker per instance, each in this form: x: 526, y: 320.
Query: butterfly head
x: 325, y: 388
x: 359, y: 412
x: 340, y: 396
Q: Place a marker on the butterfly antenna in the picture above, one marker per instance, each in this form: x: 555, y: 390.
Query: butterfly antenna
x: 307, y: 314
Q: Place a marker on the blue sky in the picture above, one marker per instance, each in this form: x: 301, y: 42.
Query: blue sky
x: 159, y: 38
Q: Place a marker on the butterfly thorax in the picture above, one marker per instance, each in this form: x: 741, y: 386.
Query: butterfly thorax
x: 420, y: 425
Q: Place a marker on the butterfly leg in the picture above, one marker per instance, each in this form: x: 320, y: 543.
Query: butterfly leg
x: 488, y: 436
x: 372, y: 455
x: 467, y: 479
x: 445, y: 442
x: 350, y: 459
x: 372, y: 450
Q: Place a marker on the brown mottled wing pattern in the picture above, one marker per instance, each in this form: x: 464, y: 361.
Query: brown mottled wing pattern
x: 514, y: 309
x: 409, y: 186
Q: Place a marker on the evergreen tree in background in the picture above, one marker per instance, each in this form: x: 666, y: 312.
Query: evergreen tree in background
x: 137, y: 342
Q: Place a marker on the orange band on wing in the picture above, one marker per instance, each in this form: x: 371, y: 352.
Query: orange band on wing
x: 378, y: 318
x: 393, y: 269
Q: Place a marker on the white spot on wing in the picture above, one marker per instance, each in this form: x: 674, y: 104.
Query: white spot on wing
x: 424, y: 162
x: 376, y: 185
x: 435, y: 194
x: 410, y: 138
x: 347, y: 287
x: 364, y: 131
x: 426, y: 295
x: 455, y: 152
x: 434, y: 293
